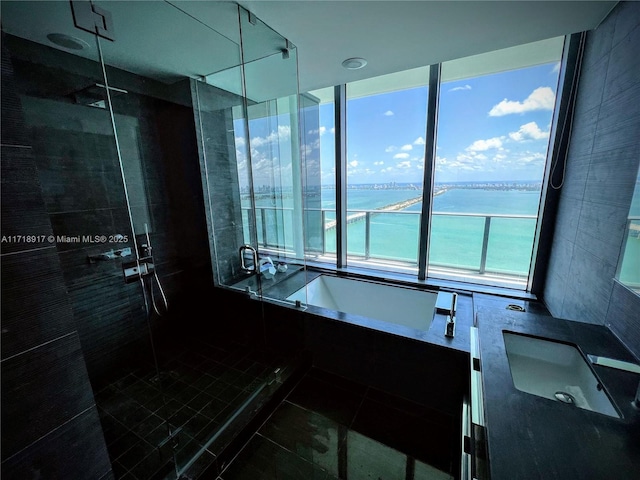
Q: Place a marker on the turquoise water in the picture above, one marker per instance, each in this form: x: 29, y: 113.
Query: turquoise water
x: 455, y: 241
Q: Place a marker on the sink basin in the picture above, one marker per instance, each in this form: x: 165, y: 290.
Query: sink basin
x: 556, y: 371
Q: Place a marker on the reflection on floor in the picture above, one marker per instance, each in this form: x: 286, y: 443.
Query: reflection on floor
x: 331, y: 428
x: 197, y: 389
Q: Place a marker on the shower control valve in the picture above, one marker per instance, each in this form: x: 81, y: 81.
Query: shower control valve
x: 133, y: 271
x: 145, y: 250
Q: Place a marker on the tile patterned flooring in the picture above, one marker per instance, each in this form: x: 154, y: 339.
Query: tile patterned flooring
x: 328, y: 427
x: 199, y: 386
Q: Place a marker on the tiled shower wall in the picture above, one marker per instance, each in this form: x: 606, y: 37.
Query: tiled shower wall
x: 50, y: 425
x: 67, y: 323
x: 77, y: 162
x: 601, y: 168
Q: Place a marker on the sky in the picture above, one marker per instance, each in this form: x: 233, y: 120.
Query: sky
x: 490, y: 128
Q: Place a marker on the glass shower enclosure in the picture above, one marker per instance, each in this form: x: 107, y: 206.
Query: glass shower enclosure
x: 256, y: 205
x: 166, y: 136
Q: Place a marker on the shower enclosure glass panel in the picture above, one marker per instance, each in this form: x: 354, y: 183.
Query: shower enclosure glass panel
x: 122, y: 130
x: 259, y: 241
x: 156, y: 124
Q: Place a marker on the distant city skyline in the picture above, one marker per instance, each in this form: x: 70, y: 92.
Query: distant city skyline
x: 489, y: 185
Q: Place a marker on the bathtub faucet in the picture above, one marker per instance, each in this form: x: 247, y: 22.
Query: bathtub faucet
x: 450, y: 329
x: 450, y: 326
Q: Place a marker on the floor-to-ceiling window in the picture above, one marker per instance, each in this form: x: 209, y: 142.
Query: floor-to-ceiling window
x: 629, y: 261
x: 493, y: 119
x: 386, y: 124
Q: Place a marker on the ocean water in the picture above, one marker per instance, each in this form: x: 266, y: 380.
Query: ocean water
x: 455, y: 240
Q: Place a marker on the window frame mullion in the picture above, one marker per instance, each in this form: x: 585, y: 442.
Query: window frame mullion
x: 340, y: 120
x: 429, y: 169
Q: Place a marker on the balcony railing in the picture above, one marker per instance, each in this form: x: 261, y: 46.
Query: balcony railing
x: 473, y: 243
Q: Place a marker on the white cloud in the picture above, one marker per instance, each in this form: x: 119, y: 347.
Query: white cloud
x: 542, y: 98
x: 532, y: 158
x: 463, y: 158
x: 283, y: 133
x: 406, y: 148
x: 399, y: 156
x: 529, y: 131
x: 333, y: 130
x: 391, y: 148
x: 378, y: 163
x: 388, y: 113
x: 456, y: 89
x: 405, y: 164
x: 353, y: 163
x: 419, y: 141
x: 461, y: 164
x: 556, y: 68
x: 482, y: 145
x: 321, y: 131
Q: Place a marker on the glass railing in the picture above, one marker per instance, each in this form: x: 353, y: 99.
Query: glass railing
x: 482, y: 244
x: 469, y: 244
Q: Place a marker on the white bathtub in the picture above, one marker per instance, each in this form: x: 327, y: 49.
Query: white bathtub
x: 391, y: 304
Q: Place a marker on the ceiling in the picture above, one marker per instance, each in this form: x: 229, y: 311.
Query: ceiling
x: 399, y: 35
x: 155, y: 39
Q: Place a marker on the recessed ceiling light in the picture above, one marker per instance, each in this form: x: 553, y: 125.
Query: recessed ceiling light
x: 67, y: 41
x: 354, y: 63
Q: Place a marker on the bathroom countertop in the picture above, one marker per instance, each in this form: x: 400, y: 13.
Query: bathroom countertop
x: 529, y: 437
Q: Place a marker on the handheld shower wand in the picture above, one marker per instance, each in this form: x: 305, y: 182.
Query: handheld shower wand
x: 147, y: 251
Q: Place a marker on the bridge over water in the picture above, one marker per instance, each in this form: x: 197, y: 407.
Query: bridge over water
x: 361, y: 215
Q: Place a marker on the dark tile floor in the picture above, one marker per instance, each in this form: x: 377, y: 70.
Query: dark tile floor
x: 197, y: 388
x: 331, y: 428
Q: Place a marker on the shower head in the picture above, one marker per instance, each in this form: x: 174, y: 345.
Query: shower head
x: 95, y: 95
x: 67, y: 41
